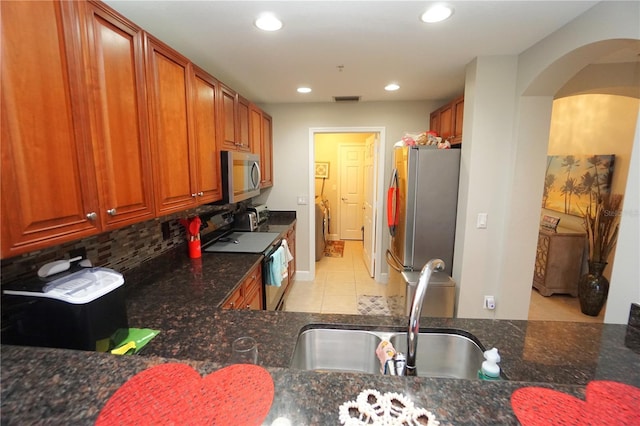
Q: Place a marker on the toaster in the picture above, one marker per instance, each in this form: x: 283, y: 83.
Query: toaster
x: 261, y: 211
x: 245, y: 221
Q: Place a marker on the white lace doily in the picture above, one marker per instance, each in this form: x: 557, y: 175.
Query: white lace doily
x: 390, y: 409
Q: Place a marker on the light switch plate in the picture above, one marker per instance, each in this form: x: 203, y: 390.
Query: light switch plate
x: 482, y: 221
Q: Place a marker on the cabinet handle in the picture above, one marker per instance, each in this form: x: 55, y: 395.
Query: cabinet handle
x: 200, y: 194
x: 248, y: 307
x: 92, y: 216
x: 194, y: 195
x: 231, y: 306
x: 111, y: 212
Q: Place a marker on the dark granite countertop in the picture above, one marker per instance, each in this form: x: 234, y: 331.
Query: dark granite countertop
x: 181, y: 298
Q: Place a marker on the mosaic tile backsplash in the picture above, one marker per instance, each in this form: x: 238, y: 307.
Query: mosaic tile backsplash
x: 121, y: 249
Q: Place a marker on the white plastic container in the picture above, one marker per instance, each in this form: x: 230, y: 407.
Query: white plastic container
x: 490, y: 368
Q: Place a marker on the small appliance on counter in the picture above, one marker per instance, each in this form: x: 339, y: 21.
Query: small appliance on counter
x: 251, y: 219
x: 245, y: 221
x: 261, y: 211
x: 81, y: 309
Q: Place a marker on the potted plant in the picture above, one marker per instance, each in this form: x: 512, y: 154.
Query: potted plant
x: 601, y: 221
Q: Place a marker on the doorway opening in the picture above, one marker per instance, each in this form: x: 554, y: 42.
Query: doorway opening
x: 582, y: 126
x: 347, y: 171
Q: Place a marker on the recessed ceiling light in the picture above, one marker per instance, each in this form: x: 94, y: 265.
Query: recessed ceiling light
x: 268, y: 22
x: 436, y: 13
x: 304, y: 89
x: 391, y: 87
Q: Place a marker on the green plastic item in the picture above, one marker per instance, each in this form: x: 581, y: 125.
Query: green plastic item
x: 139, y: 336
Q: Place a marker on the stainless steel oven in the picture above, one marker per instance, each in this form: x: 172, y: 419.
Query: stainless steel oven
x: 273, y: 295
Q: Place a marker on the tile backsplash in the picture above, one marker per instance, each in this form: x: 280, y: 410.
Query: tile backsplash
x: 121, y: 249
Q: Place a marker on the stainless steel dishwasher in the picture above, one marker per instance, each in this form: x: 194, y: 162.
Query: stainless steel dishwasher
x: 440, y: 299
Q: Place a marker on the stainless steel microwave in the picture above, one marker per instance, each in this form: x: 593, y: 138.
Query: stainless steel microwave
x: 240, y: 175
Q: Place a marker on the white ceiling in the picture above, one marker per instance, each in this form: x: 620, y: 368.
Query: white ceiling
x: 376, y: 42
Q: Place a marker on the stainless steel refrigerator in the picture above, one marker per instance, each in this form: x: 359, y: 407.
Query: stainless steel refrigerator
x: 421, y: 212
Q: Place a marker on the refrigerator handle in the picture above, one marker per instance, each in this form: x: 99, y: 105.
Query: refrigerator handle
x: 392, y: 203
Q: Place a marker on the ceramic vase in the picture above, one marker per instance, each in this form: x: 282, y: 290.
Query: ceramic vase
x: 593, y: 289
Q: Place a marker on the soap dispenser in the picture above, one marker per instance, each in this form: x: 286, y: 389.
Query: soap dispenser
x: 490, y: 369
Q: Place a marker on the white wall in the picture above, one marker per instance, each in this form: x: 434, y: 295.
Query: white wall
x: 291, y: 124
x: 508, y: 246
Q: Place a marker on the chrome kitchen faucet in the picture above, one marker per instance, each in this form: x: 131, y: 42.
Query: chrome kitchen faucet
x: 416, y: 310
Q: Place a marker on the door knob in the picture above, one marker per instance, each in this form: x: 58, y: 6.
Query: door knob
x: 344, y: 199
x: 92, y: 216
x: 111, y: 212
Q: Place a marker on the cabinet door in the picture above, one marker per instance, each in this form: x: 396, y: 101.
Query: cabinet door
x: 291, y: 240
x: 255, y: 124
x: 458, y: 118
x: 434, y: 121
x: 120, y: 134
x: 168, y: 87
x: 446, y: 122
x: 48, y: 182
x: 242, y: 125
x: 235, y: 301
x: 266, y: 153
x: 208, y: 180
x: 253, y: 290
x: 261, y: 143
x: 227, y: 118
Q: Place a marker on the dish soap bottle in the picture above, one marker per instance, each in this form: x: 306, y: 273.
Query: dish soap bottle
x: 490, y: 369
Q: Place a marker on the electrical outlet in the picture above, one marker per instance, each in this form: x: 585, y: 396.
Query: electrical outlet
x: 489, y: 303
x: 166, y: 233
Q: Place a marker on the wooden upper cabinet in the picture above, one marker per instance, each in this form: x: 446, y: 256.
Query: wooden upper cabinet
x: 205, y: 154
x: 266, y: 154
x: 261, y: 144
x: 242, y: 124
x: 120, y: 132
x: 434, y: 121
x: 234, y: 121
x: 458, y: 118
x: 227, y: 118
x: 48, y: 182
x: 447, y: 120
x: 446, y: 128
x: 169, y: 97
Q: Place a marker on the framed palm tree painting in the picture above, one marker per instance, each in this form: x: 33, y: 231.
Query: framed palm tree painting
x: 573, y: 182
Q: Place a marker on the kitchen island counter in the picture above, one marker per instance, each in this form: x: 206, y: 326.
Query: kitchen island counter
x: 181, y: 298
x: 70, y: 387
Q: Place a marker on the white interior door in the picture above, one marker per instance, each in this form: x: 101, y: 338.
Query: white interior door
x: 368, y: 209
x: 351, y: 191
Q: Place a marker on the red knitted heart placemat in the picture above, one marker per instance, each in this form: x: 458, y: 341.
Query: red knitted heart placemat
x: 176, y: 394
x: 606, y: 403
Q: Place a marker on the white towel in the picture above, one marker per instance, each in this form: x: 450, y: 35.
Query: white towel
x: 287, y: 253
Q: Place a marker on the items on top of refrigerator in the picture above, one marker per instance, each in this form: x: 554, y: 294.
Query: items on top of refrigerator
x: 428, y: 138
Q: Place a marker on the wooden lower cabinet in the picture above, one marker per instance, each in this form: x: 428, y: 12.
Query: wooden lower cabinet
x: 248, y: 295
x: 558, y: 262
x: 291, y: 240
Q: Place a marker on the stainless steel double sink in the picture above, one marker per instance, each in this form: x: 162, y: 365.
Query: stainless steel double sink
x: 440, y: 353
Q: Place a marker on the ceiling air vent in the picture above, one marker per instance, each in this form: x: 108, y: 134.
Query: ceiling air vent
x: 346, y: 98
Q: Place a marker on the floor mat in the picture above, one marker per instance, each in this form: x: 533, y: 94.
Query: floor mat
x: 380, y: 305
x: 334, y: 249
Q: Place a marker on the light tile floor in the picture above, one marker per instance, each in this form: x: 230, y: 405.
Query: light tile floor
x: 339, y: 282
